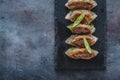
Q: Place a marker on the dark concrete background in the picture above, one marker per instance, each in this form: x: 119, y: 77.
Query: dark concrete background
x: 27, y: 42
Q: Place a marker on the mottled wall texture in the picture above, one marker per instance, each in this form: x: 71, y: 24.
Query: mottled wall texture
x: 27, y: 42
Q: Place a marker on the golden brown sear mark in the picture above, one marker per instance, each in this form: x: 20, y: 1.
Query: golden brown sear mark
x: 81, y: 4
x: 77, y: 40
x: 80, y: 53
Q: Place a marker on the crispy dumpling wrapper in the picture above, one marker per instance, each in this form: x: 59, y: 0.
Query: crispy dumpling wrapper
x: 81, y: 4
x: 83, y: 29
x: 89, y: 16
x: 81, y: 53
x: 77, y: 40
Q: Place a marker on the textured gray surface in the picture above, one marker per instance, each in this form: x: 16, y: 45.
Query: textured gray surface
x: 27, y: 42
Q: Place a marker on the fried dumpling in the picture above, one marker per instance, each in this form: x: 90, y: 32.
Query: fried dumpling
x: 80, y: 53
x: 77, y: 40
x: 83, y: 29
x: 81, y: 4
x: 89, y: 16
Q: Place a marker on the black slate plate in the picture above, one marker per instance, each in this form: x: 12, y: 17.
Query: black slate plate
x: 62, y: 33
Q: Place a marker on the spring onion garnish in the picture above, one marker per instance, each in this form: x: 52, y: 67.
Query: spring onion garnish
x: 77, y: 21
x: 87, y: 46
x: 72, y: 48
x: 92, y: 25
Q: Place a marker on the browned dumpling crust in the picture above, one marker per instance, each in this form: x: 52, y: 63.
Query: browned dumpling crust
x: 81, y: 4
x: 83, y: 29
x: 80, y: 53
x: 89, y: 16
x: 77, y: 40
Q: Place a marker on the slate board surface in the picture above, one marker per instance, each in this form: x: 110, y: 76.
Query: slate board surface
x: 62, y: 33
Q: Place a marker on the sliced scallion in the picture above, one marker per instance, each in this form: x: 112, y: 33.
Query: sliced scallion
x: 92, y: 25
x: 87, y: 46
x: 77, y: 21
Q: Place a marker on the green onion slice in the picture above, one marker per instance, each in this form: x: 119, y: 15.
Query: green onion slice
x: 72, y: 48
x: 87, y: 46
x: 77, y: 21
x: 92, y: 25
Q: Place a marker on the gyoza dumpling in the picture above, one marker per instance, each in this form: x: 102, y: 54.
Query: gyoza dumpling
x: 77, y: 40
x: 89, y: 16
x: 81, y: 4
x: 83, y: 29
x: 80, y: 53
